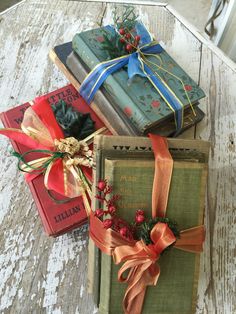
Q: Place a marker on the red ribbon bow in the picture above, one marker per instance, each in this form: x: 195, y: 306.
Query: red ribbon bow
x: 42, y: 134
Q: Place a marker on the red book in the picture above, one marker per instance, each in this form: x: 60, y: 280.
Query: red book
x: 56, y: 218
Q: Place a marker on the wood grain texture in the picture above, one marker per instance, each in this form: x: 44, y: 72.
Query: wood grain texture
x: 43, y: 275
x: 37, y: 274
x: 218, y: 263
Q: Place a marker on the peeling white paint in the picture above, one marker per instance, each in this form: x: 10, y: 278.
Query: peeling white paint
x: 56, y: 311
x: 81, y: 290
x: 108, y: 18
x: 95, y: 310
x: 20, y: 293
x: 62, y: 251
x: 8, y: 167
x: 13, y: 261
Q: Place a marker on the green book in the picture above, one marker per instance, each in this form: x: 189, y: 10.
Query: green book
x: 145, y: 108
x: 186, y: 203
x: 121, y: 123
x: 94, y: 254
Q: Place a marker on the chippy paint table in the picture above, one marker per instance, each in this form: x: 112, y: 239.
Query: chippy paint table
x: 44, y: 275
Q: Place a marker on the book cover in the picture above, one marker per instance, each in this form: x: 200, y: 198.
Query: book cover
x: 94, y: 254
x: 139, y: 100
x: 190, y: 160
x: 78, y: 68
x: 56, y: 218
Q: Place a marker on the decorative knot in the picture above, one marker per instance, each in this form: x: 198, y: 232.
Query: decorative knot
x: 78, y: 152
x: 69, y: 145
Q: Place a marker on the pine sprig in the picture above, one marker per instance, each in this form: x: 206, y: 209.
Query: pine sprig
x: 127, y: 19
x: 114, y: 43
x: 144, y: 229
x: 72, y: 122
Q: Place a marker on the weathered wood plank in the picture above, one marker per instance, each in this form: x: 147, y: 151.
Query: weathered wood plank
x: 218, y: 267
x: 202, y: 38
x: 217, y: 277
x: 37, y: 274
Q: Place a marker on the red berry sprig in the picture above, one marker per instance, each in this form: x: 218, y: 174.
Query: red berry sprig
x: 102, y: 185
x: 139, y: 229
x: 139, y: 216
x: 109, y: 215
x: 108, y: 201
x: 130, y: 42
x: 122, y: 31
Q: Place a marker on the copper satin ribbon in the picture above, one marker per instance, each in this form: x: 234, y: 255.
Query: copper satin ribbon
x: 138, y: 259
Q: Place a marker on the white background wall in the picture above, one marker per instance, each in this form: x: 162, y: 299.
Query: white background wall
x: 195, y: 11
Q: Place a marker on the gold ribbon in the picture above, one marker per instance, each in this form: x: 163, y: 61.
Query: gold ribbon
x: 76, y: 155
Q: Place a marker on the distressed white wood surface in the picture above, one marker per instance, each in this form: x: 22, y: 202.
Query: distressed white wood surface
x: 44, y: 275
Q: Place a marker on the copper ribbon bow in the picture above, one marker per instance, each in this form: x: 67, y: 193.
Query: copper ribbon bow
x: 139, y: 259
x: 65, y: 162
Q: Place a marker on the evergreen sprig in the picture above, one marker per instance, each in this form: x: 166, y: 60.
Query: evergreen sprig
x: 112, y: 41
x: 112, y: 44
x: 127, y: 19
x: 72, y: 122
x: 144, y: 229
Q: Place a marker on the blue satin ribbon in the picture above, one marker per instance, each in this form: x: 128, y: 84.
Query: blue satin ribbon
x: 99, y: 74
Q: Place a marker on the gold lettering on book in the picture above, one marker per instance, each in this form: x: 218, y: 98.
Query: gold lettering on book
x: 134, y: 205
x: 66, y: 214
x: 124, y: 191
x: 128, y: 178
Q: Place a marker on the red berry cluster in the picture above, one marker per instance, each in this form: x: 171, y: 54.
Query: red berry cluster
x: 131, y: 42
x: 125, y: 229
x: 139, y: 216
x: 114, y: 222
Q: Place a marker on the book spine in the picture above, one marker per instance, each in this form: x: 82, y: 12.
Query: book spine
x: 94, y: 255
x: 106, y: 260
x: 119, y: 123
x: 139, y: 119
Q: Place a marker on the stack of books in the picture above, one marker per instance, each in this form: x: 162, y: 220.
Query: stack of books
x: 57, y: 217
x: 128, y: 164
x: 135, y: 108
x: 129, y: 109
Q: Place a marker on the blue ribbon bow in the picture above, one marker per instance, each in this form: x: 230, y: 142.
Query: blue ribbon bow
x: 135, y: 65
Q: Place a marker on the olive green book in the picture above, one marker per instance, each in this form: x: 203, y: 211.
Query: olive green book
x: 188, y: 186
x: 93, y: 284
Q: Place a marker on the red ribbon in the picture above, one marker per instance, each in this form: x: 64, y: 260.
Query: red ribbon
x: 39, y: 130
